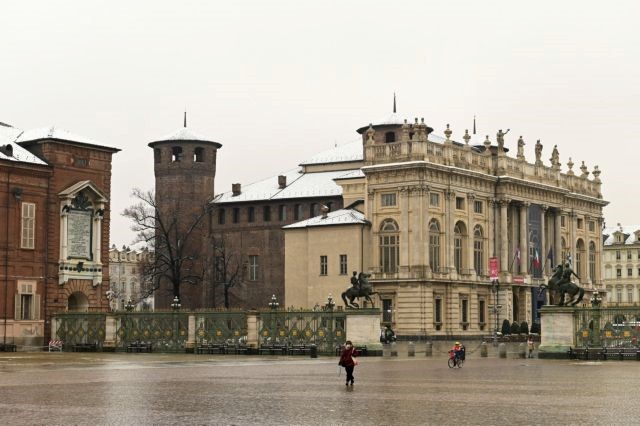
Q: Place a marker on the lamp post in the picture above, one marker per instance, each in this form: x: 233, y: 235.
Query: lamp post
x: 175, y: 305
x: 130, y: 305
x: 330, y: 303
x: 329, y: 307
x: 495, y: 287
x: 273, y: 304
x: 596, y: 301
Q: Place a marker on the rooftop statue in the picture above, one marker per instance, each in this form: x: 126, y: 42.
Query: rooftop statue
x: 538, y: 153
x: 360, y: 287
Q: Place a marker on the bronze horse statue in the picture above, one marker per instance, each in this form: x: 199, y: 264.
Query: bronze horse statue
x: 561, y: 284
x: 360, y: 288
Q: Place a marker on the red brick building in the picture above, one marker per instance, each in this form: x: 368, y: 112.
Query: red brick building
x: 54, y: 215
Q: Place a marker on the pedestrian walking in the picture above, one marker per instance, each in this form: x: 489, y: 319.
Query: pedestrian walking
x: 348, y: 360
x: 530, y: 346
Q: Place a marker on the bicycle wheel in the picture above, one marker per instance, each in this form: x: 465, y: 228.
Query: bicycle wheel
x: 460, y: 362
x: 451, y: 363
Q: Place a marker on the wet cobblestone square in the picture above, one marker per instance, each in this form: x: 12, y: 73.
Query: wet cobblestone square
x: 126, y: 389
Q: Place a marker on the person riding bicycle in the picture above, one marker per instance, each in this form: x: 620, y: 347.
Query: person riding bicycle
x: 458, y: 351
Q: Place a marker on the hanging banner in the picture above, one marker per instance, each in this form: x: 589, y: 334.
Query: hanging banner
x: 493, y: 268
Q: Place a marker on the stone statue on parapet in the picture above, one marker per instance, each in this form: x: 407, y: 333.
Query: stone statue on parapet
x: 560, y: 284
x: 360, y: 287
x: 538, y: 153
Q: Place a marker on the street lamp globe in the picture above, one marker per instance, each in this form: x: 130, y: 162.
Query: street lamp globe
x: 330, y: 303
x: 273, y: 304
x: 175, y: 305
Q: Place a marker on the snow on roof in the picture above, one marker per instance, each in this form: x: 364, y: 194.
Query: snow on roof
x: 8, y: 136
x: 299, y: 185
x: 627, y: 230
x: 338, y: 217
x: 351, y: 151
x: 184, y: 134
x: 53, y: 132
x: 352, y: 174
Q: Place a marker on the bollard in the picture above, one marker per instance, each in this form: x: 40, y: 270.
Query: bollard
x: 386, y: 350
x: 484, y: 352
x: 394, y: 351
x: 411, y: 349
x: 428, y: 349
x: 522, y: 350
x: 502, y: 350
x: 313, y: 351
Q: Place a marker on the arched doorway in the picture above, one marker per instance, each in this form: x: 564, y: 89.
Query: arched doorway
x: 78, y: 302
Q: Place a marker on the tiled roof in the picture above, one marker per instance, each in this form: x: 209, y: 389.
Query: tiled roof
x: 8, y: 136
x: 338, y: 217
x: 627, y: 230
x: 299, y: 185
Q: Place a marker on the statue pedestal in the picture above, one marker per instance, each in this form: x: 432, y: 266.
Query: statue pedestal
x: 363, y: 328
x: 557, y: 331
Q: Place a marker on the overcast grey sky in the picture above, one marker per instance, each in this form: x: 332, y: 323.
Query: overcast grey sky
x: 277, y: 81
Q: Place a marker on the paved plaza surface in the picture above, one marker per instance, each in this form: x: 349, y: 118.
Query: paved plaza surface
x: 145, y: 389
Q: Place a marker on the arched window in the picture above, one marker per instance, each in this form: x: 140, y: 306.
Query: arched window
x: 198, y: 155
x: 389, y: 246
x: 434, y: 245
x: 459, y: 237
x: 592, y: 261
x: 389, y: 137
x: 176, y: 154
x: 579, y: 257
x: 478, y: 251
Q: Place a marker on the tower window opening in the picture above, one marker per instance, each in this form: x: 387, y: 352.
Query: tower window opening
x: 176, y: 154
x: 389, y: 137
x: 198, y: 155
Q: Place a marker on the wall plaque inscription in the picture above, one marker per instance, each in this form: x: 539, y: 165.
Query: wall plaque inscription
x: 79, y: 234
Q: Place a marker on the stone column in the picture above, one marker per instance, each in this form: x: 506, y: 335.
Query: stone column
x: 557, y: 238
x: 191, y: 335
x: 471, y: 197
x: 491, y: 233
x: 449, y: 233
x: 252, y: 330
x: 373, y: 253
x: 543, y: 239
x: 424, y: 225
x: 109, y: 343
x: 504, y: 252
x: 524, y: 238
x: 404, y: 232
x: 572, y: 238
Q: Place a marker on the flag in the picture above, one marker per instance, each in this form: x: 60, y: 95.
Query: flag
x: 517, y: 255
x: 536, y: 259
x: 550, y: 255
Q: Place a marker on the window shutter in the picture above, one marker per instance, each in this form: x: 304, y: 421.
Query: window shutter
x: 36, y: 307
x: 17, y: 306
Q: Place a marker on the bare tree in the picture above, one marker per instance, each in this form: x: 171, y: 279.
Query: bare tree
x: 174, y: 235
x: 227, y: 265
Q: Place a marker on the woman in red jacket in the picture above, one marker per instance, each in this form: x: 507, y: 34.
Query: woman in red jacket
x: 348, y: 361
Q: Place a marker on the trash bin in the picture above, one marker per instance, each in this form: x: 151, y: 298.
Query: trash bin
x: 313, y: 351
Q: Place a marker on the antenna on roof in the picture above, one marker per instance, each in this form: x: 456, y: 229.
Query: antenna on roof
x: 394, y: 102
x: 185, y: 117
x: 474, y: 124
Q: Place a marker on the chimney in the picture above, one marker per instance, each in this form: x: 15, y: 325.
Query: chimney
x: 235, y: 189
x: 282, y: 182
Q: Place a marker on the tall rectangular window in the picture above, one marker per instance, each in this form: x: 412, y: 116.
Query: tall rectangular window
x: 236, y: 215
x: 343, y: 264
x: 387, y: 311
x: 254, y: 268
x: 438, y: 311
x: 434, y: 199
x: 617, y: 254
x: 464, y: 306
x: 459, y: 203
x: 282, y: 212
x: 313, y: 210
x: 388, y: 200
x: 482, y: 318
x: 27, y: 303
x: 629, y: 254
x: 251, y: 215
x: 478, y: 207
x: 266, y: 213
x: 221, y: 217
x: 28, y: 225
x: 297, y: 212
x: 323, y: 265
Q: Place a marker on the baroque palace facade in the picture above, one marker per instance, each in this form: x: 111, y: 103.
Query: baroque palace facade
x: 54, y: 243
x: 428, y: 213
x: 621, y: 265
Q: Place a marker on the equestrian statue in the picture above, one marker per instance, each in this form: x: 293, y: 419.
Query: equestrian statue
x: 360, y: 287
x: 560, y: 283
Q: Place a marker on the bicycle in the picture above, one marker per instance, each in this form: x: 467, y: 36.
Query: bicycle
x: 454, y: 360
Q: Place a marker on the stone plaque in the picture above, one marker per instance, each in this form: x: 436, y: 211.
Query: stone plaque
x: 79, y: 234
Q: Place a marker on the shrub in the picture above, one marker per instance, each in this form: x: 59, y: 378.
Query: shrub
x: 515, y: 328
x: 506, y: 328
x: 524, y: 327
x: 535, y: 328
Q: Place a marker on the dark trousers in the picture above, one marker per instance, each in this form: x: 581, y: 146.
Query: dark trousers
x: 349, y: 370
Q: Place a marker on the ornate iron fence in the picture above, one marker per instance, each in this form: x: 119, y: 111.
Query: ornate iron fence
x: 607, y: 327
x: 221, y: 327
x: 325, y: 329
x: 166, y: 331
x: 75, y: 328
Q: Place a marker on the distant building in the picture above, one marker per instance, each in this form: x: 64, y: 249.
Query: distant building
x: 128, y: 282
x: 54, y: 216
x: 432, y: 212
x: 621, y: 265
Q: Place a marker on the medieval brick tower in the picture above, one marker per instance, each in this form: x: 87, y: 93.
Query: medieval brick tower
x: 185, y: 169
